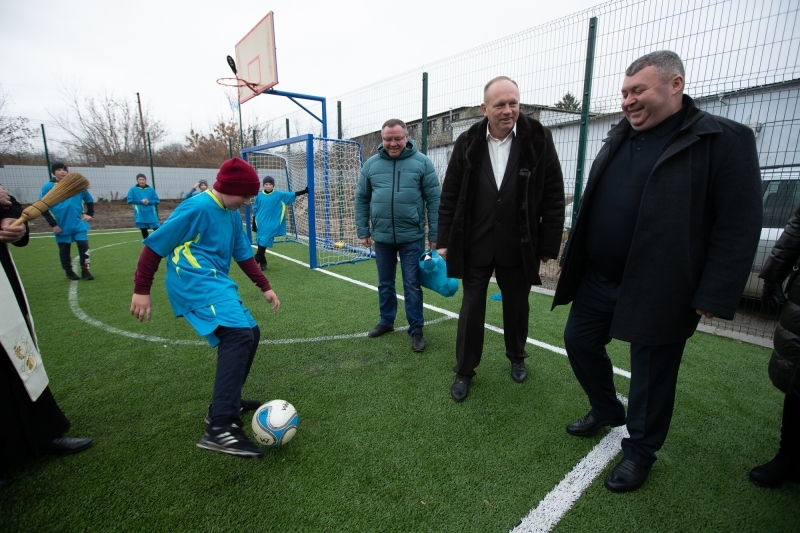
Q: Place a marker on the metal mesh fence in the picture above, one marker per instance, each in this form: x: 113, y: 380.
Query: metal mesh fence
x: 741, y: 60
x: 330, y: 169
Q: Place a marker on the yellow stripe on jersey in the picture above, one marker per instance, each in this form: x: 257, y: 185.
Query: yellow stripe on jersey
x: 187, y: 252
x: 213, y: 310
x: 283, y: 212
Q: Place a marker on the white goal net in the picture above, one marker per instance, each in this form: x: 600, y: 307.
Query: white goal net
x: 324, y: 220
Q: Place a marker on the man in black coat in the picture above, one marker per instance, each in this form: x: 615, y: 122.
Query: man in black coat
x: 27, y: 427
x: 501, y: 212
x: 666, y: 233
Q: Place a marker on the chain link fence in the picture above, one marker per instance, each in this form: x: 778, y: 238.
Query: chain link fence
x: 741, y: 60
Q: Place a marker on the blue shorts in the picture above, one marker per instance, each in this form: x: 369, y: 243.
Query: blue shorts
x: 230, y: 313
x: 71, y: 237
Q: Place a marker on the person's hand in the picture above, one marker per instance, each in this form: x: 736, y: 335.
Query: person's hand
x: 87, y: 218
x: 144, y: 201
x: 5, y: 200
x: 432, y: 245
x: 706, y: 314
x: 57, y: 229
x: 367, y: 242
x: 442, y: 253
x: 772, y: 296
x: 272, y: 298
x: 301, y: 192
x: 9, y: 234
x: 141, y: 304
x: 558, y: 271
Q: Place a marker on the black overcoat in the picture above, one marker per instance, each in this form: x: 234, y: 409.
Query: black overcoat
x: 696, y: 234
x: 540, y: 196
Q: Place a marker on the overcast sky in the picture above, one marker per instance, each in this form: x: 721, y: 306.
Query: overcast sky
x: 172, y: 51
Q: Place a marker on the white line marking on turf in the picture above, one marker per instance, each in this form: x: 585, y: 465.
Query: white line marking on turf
x: 559, y: 500
x: 445, y: 312
x: 78, y: 312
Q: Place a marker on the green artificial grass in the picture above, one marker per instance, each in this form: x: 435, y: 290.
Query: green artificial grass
x: 381, y: 445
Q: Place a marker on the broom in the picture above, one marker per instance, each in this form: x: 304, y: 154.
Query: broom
x: 72, y: 184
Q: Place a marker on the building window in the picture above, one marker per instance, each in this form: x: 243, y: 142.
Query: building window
x: 432, y: 129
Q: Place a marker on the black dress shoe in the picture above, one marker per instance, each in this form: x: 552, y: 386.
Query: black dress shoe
x: 66, y: 445
x: 774, y: 474
x: 460, y: 388
x: 589, y: 425
x: 626, y: 476
x: 379, y: 330
x: 5, y: 479
x: 518, y: 372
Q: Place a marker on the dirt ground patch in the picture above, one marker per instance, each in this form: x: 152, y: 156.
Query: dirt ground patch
x: 116, y: 214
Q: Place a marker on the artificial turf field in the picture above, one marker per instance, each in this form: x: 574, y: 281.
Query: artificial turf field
x: 381, y: 445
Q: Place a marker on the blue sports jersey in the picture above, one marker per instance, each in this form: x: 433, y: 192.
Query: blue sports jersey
x: 68, y: 213
x: 145, y: 216
x: 198, y: 240
x: 270, y: 213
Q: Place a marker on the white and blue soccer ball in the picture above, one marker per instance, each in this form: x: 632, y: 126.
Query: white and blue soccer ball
x: 275, y: 423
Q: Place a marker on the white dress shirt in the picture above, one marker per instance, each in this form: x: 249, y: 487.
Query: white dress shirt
x: 498, y: 153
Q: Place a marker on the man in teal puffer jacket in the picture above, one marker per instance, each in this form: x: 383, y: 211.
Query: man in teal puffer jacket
x: 396, y: 188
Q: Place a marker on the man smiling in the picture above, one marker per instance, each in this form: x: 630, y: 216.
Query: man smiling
x: 665, y: 233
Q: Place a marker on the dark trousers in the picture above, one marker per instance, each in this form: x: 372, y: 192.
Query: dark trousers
x: 235, y: 353
x: 66, y: 260
x: 260, y: 256
x: 144, y: 231
x: 654, y: 370
x: 469, y: 339
x: 790, y: 428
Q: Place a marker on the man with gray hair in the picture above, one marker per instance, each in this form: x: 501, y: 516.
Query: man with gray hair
x: 666, y: 233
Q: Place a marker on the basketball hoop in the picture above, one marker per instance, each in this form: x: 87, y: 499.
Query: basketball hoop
x: 232, y: 88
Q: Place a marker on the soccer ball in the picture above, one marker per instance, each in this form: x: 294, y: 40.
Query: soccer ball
x: 275, y: 423
x: 339, y: 244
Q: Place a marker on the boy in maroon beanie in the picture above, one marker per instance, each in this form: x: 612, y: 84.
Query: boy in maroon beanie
x: 200, y: 238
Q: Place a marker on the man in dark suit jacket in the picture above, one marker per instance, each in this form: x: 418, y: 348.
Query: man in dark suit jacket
x: 501, y: 212
x: 666, y: 233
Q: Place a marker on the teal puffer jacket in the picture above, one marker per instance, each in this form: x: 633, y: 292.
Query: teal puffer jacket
x: 393, y: 196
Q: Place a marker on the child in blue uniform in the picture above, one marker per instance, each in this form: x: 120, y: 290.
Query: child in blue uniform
x: 144, y: 199
x: 70, y: 223
x: 269, y: 216
x: 199, y: 239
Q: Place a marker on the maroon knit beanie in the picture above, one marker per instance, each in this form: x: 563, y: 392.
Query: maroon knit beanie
x: 238, y: 178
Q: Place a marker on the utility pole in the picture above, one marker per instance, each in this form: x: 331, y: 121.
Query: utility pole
x: 141, y: 121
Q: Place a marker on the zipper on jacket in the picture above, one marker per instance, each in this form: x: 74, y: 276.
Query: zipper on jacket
x: 394, y: 229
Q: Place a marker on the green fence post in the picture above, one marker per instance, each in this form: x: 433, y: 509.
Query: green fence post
x: 230, y: 148
x: 339, y: 118
x: 152, y: 171
x: 587, y: 93
x: 424, y: 139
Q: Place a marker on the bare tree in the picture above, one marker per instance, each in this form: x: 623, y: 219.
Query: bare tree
x: 569, y: 102
x: 210, y: 149
x: 104, y: 129
x: 15, y: 134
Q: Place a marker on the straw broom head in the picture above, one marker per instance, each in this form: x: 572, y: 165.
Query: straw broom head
x: 72, y: 184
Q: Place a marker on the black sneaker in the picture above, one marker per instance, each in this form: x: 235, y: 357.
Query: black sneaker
x: 231, y: 440
x: 247, y: 406
x: 85, y: 274
x: 263, y: 265
x: 72, y: 276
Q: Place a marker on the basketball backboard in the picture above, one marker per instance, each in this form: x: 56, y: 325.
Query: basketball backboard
x: 256, y: 60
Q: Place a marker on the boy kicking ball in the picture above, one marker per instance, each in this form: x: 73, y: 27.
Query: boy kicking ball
x: 199, y: 239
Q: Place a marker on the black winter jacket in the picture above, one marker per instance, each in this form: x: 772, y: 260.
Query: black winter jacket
x: 696, y: 235
x: 784, y: 365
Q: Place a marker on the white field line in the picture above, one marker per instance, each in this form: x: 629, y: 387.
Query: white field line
x: 558, y: 501
x: 545, y: 516
x: 445, y: 312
